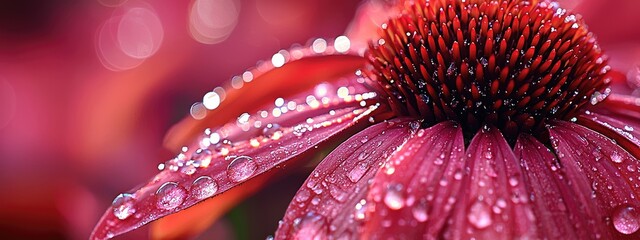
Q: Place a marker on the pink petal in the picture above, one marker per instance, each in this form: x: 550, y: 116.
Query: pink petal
x: 412, y: 194
x: 267, y: 84
x: 493, y: 202
x: 602, y: 172
x: 627, y: 135
x: 330, y: 197
x: 623, y: 107
x: 300, y: 132
x: 560, y: 212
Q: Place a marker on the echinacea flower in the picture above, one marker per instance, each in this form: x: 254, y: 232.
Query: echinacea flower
x: 464, y: 119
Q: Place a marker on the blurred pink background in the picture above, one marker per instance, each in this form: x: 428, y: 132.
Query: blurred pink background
x: 88, y: 89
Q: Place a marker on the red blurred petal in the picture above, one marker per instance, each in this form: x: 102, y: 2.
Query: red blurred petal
x: 368, y: 19
x: 558, y: 210
x: 329, y: 196
x: 603, y: 175
x: 290, y: 79
x: 304, y: 131
x: 411, y: 196
x: 493, y: 202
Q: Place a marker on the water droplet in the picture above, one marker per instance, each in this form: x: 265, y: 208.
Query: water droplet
x: 170, y: 196
x: 303, y: 195
x: 189, y: 169
x: 419, y: 211
x: 175, y: 164
x: 357, y: 172
x: 615, y: 157
x: 394, y: 198
x: 439, y: 160
x: 361, y: 210
x: 513, y: 181
x: 479, y: 215
x: 272, y: 130
x: 123, y: 206
x: 241, y: 168
x: 337, y: 193
x: 628, y: 128
x: 488, y: 154
x: 203, y: 187
x: 452, y: 69
x: 201, y: 158
x: 626, y: 219
x: 300, y: 129
x: 315, y: 200
x: 311, y: 226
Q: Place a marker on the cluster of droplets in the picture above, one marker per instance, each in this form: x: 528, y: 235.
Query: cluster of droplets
x: 171, y: 195
x: 201, y: 158
x: 318, y: 47
x: 215, y: 147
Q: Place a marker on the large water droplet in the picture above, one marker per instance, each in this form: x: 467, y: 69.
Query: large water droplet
x: 170, y: 196
x: 626, y: 219
x: 203, y: 187
x: 123, y: 206
x: 394, y: 198
x: 419, y: 211
x: 241, y: 168
x: 479, y: 215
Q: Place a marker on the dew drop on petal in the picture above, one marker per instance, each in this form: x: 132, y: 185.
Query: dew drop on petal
x: 123, y: 206
x: 311, y: 226
x: 479, y: 215
x: 357, y: 172
x: 272, y: 130
x: 615, y: 157
x: 513, y: 181
x: 419, y: 212
x: 198, y: 111
x: 342, y: 44
x: 626, y: 219
x: 211, y: 100
x: 241, y: 168
x: 170, y: 196
x: 319, y: 45
x: 360, y: 210
x: 394, y: 198
x: 189, y: 169
x: 202, y: 157
x: 203, y: 187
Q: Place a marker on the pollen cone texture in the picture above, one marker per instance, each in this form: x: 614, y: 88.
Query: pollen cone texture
x: 511, y: 64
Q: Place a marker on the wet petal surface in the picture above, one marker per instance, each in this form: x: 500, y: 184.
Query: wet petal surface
x: 324, y: 204
x: 262, y: 85
x: 493, y: 203
x: 234, y: 154
x: 414, y: 192
x: 603, y: 175
x: 560, y: 212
